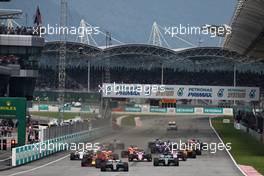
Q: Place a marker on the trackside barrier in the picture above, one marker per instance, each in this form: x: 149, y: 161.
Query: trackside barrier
x: 251, y: 132
x: 179, y: 111
x: 31, y: 152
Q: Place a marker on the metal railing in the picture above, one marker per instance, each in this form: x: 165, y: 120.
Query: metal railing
x: 103, y: 122
x: 57, y: 131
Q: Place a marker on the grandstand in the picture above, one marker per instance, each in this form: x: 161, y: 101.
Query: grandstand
x: 87, y: 65
x: 147, y: 64
x: 19, y: 53
x: 247, y: 25
x: 247, y: 39
x: 211, y: 96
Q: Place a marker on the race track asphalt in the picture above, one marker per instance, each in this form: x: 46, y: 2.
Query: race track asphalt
x: 208, y: 164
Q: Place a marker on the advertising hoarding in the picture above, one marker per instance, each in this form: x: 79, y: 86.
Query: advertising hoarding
x: 114, y: 90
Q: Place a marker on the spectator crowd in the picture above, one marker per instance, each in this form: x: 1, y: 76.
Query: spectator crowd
x: 23, y: 30
x: 5, y: 60
x: 6, y: 128
x: 76, y: 77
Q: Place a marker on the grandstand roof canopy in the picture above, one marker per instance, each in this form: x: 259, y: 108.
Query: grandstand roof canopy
x: 10, y: 13
x: 247, y: 24
x: 150, y: 56
x: 152, y: 53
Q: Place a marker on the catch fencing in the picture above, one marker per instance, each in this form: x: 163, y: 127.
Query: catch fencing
x: 57, y: 131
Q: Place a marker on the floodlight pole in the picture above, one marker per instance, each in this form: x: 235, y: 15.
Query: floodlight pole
x: 88, y: 74
x: 234, y: 80
x: 234, y: 77
x: 162, y: 72
x: 62, y: 58
x: 81, y: 53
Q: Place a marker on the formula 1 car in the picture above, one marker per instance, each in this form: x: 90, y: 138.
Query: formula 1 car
x: 172, y: 126
x: 97, y: 159
x: 180, y: 154
x: 153, y: 143
x: 88, y: 161
x: 140, y: 156
x: 196, y: 144
x: 160, y: 147
x: 166, y: 160
x: 114, y: 165
x: 190, y: 152
x: 79, y: 154
x: 130, y: 150
x: 103, y: 156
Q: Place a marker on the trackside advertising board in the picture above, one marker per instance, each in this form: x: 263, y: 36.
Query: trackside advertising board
x: 132, y: 109
x: 43, y: 107
x: 115, y: 90
x: 213, y: 110
x: 184, y: 110
x: 157, y: 109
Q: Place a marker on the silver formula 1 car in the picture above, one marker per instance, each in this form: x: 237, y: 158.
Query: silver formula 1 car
x: 114, y: 165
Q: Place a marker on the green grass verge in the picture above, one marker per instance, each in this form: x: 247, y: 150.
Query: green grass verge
x: 128, y: 121
x: 245, y: 149
x: 67, y: 115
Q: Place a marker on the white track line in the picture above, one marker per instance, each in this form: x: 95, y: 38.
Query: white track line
x: 25, y: 171
x: 232, y: 158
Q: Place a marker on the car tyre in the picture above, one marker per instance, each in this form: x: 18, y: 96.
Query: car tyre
x: 156, y: 162
x: 126, y: 169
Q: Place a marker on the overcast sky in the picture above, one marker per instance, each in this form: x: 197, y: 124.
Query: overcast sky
x: 130, y: 21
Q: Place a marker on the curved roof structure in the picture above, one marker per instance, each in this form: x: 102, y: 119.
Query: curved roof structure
x: 10, y: 13
x: 139, y: 49
x: 150, y: 53
x: 247, y: 24
x: 149, y: 56
x: 138, y: 54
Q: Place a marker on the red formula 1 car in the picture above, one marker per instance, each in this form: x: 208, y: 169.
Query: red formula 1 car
x: 196, y: 145
x: 97, y: 159
x: 129, y: 151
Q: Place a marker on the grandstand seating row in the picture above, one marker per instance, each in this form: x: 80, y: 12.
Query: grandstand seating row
x: 76, y: 78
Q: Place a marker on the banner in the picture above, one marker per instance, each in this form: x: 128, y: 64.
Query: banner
x: 145, y: 108
x: 171, y: 110
x: 198, y: 110
x: 184, y: 110
x: 132, y: 109
x: 43, y: 107
x: 159, y: 110
x: 114, y: 90
x: 213, y: 111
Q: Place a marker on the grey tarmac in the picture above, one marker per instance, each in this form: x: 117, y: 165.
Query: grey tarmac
x: 208, y: 164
